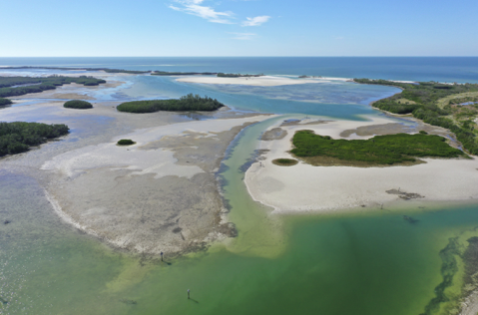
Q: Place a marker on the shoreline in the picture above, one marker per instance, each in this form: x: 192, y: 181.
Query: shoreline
x: 268, y: 81
x: 304, y: 188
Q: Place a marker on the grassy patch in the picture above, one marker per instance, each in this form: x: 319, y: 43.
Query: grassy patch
x: 77, y: 104
x: 285, y: 162
x: 405, y: 101
x: 125, y: 142
x: 186, y: 103
x: 380, y: 150
x: 436, y: 104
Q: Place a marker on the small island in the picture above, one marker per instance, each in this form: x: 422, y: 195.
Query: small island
x: 380, y: 150
x: 189, y: 102
x: 171, y: 73
x: 237, y: 75
x: 78, y: 104
x: 18, y: 137
x: 5, y: 102
x: 285, y: 162
x: 125, y: 142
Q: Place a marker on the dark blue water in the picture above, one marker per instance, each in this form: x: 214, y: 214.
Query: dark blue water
x: 446, y: 69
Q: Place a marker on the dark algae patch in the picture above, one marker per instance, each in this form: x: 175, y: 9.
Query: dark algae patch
x: 77, y: 104
x: 189, y: 102
x: 380, y: 150
x: 18, y: 137
x: 125, y: 142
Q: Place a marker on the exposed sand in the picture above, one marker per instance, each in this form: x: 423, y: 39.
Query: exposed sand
x: 304, y: 188
x: 157, y: 195
x: 253, y: 81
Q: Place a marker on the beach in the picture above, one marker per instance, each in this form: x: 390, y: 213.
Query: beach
x: 306, y: 188
x: 257, y: 81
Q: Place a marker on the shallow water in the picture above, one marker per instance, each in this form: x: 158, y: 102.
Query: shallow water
x: 375, y: 263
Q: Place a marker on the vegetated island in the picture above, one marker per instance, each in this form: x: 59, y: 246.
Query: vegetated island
x: 380, y: 150
x: 18, y: 137
x: 16, y: 86
x: 78, y: 104
x: 189, y: 102
x: 168, y: 73
x: 125, y: 142
x: 451, y: 106
x: 237, y: 75
x: 5, y: 102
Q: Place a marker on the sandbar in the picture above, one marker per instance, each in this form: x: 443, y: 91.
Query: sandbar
x: 254, y: 81
x: 308, y: 188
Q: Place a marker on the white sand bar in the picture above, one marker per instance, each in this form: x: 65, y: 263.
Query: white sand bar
x: 304, y: 188
x: 160, y: 162
x: 253, y: 81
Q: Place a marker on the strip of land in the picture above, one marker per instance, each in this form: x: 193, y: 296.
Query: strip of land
x: 251, y: 81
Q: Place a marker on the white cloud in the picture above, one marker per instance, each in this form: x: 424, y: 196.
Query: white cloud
x: 243, y: 36
x: 256, y: 21
x: 193, y: 7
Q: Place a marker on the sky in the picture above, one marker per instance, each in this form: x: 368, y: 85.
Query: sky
x: 51, y: 28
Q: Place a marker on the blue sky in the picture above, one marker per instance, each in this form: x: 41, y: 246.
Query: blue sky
x: 238, y: 28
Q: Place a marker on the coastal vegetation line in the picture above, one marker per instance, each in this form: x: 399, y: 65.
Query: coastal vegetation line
x: 152, y: 72
x: 379, y: 150
x: 437, y: 104
x: 16, y: 86
x: 185, y: 103
x: 18, y: 137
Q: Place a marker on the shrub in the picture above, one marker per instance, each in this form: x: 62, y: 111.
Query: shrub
x: 126, y: 142
x: 77, y: 104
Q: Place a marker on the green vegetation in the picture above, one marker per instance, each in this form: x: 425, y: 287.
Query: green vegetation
x: 285, y: 162
x: 77, y: 104
x: 18, y: 137
x: 125, y: 142
x: 182, y: 73
x: 436, y: 104
x: 236, y: 75
x: 382, y: 150
x: 5, y: 102
x: 185, y: 103
x: 16, y: 86
x: 80, y: 69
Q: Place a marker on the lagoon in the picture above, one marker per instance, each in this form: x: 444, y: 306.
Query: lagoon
x: 363, y: 263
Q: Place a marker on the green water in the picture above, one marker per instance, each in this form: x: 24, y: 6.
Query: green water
x: 374, y: 263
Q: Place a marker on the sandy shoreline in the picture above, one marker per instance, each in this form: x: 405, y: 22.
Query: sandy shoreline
x: 256, y: 81
x: 307, y: 188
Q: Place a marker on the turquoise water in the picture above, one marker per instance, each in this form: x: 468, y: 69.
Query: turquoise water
x: 367, y: 263
x: 374, y: 263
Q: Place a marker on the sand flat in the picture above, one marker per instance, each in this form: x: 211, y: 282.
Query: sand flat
x: 304, y: 188
x: 252, y: 81
x: 157, y: 195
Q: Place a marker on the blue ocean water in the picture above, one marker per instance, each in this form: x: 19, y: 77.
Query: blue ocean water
x: 446, y: 69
